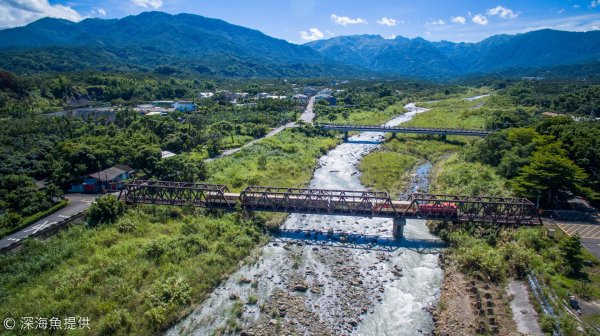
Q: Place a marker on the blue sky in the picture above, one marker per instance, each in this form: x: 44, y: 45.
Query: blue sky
x: 300, y: 21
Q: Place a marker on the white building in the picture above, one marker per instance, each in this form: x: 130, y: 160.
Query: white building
x: 300, y: 98
x: 185, y: 106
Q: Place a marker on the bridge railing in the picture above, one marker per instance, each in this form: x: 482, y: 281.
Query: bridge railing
x: 398, y: 128
x: 176, y: 193
x: 489, y: 209
x: 327, y: 201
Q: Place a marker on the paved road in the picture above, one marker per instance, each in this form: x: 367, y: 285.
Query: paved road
x: 307, y: 116
x: 593, y: 245
x: 589, y: 234
x: 77, y: 203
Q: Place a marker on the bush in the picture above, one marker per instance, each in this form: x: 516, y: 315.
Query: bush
x: 106, y: 209
x: 547, y: 323
x: 126, y: 225
x: 172, y: 291
x: 570, y: 248
x: 477, y: 257
x: 115, y: 322
x: 252, y: 299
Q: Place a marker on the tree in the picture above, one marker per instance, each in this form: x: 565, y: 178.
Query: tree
x: 549, y: 172
x: 213, y: 145
x: 570, y: 249
x: 146, y: 158
x: 181, y: 168
x: 105, y: 209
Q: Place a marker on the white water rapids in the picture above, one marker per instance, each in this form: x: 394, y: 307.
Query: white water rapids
x: 400, y: 308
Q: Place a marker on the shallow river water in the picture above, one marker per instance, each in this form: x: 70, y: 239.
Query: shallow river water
x: 333, y: 290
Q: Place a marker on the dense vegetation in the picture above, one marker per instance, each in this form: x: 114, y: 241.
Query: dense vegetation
x: 21, y: 201
x: 180, y: 255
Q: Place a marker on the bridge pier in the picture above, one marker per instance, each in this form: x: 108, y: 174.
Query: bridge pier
x: 443, y: 137
x: 398, y: 228
x: 346, y: 136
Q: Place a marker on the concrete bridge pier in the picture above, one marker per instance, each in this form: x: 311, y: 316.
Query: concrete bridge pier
x: 398, y: 228
x: 346, y: 136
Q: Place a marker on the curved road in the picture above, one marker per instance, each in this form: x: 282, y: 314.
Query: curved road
x: 77, y: 204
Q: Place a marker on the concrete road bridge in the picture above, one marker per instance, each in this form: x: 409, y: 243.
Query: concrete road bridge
x: 477, y: 209
x: 399, y: 129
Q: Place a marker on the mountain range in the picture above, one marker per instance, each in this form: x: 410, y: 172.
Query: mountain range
x: 164, y: 43
x: 418, y: 57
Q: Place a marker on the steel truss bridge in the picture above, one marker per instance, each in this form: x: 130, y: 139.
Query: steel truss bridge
x: 398, y: 129
x: 477, y: 209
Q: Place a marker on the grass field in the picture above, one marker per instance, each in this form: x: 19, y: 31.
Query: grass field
x: 360, y: 117
x: 454, y: 113
x: 284, y: 160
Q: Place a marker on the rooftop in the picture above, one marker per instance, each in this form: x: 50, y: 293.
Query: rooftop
x: 111, y: 173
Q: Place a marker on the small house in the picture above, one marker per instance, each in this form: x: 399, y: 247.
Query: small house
x: 108, y: 180
x: 163, y: 103
x: 331, y: 100
x: 166, y: 154
x: 185, y: 106
x: 300, y: 99
x: 309, y: 91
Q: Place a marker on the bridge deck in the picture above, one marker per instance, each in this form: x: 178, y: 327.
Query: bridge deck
x: 398, y: 129
x: 497, y: 210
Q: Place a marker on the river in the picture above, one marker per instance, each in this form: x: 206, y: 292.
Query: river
x: 310, y: 290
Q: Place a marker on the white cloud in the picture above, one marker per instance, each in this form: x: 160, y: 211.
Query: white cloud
x: 98, y: 12
x: 148, y: 3
x: 459, y: 19
x: 480, y: 20
x: 15, y: 13
x: 502, y: 12
x: 576, y: 6
x: 435, y: 25
x: 384, y: 21
x: 595, y: 3
x: 344, y: 20
x: 313, y: 34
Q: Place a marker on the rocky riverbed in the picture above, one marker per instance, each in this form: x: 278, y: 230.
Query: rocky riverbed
x: 297, y: 287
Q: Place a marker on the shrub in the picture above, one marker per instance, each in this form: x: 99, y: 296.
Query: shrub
x: 126, y: 225
x: 115, y: 322
x: 570, y: 248
x: 173, y: 291
x: 106, y: 209
x: 547, y: 323
x: 252, y: 299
